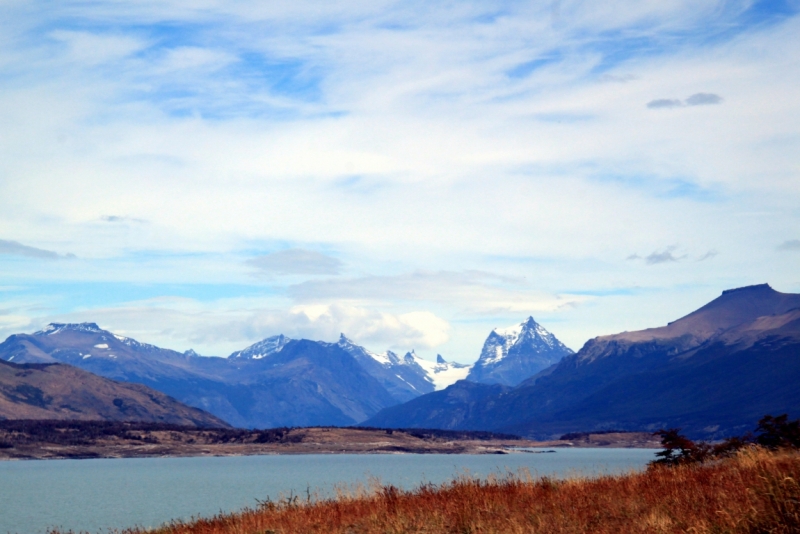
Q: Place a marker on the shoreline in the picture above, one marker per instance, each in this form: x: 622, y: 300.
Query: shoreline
x: 160, y: 443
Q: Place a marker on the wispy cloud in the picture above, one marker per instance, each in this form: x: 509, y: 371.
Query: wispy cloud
x: 665, y: 256
x: 708, y: 255
x: 703, y: 99
x: 473, y: 292
x: 121, y: 219
x: 697, y: 99
x: 13, y: 248
x: 662, y: 103
x: 226, y: 326
x: 791, y: 244
x: 414, y: 139
x: 296, y: 261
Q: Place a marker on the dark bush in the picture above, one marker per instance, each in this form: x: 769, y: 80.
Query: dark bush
x: 772, y: 432
x: 778, y: 432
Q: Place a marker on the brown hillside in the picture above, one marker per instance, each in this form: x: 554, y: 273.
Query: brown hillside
x: 56, y: 391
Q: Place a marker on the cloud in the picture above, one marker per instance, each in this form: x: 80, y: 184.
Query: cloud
x: 664, y: 103
x: 474, y: 292
x: 665, y: 256
x: 697, y: 99
x: 617, y: 78
x: 708, y: 255
x: 226, y: 327
x: 233, y: 123
x: 703, y: 99
x: 792, y: 244
x: 296, y: 261
x: 120, y: 219
x: 13, y: 248
x: 420, y: 329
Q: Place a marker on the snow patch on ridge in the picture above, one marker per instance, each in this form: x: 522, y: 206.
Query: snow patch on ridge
x: 57, y: 328
x: 262, y: 349
x: 439, y: 374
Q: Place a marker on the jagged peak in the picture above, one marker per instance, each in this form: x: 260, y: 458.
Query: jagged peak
x: 514, y: 331
x: 501, y: 340
x: 263, y: 348
x: 344, y: 340
x: 190, y: 352
x: 55, y: 328
x: 439, y: 359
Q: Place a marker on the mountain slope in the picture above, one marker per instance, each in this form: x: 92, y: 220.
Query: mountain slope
x: 404, y: 379
x: 717, y: 389
x: 510, y: 355
x: 459, y: 406
x: 56, y: 391
x: 309, y: 383
x: 264, y: 385
x: 712, y: 371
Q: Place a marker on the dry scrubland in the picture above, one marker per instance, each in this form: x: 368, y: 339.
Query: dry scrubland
x: 753, y: 491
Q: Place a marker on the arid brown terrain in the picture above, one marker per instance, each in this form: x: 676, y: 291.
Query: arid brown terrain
x: 57, y: 391
x: 58, y: 439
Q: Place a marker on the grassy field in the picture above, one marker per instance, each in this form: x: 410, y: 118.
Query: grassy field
x: 753, y: 491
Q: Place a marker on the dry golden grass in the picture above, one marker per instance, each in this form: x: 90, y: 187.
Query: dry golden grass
x: 754, y: 491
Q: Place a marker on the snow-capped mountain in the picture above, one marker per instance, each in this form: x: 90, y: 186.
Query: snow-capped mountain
x: 403, y: 380
x: 510, y: 355
x: 261, y: 349
x: 407, y: 377
x: 57, y: 328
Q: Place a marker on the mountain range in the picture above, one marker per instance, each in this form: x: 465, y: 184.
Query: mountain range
x: 281, y: 381
x: 712, y: 372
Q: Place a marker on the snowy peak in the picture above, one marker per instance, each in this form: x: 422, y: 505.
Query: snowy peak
x: 527, y: 334
x: 513, y: 354
x: 403, y: 380
x: 262, y: 349
x: 91, y: 328
x: 386, y: 359
x: 57, y: 328
x: 409, y: 376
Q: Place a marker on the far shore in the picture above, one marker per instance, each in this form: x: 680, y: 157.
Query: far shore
x: 143, y: 441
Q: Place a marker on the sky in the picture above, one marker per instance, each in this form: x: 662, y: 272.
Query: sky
x: 204, y: 174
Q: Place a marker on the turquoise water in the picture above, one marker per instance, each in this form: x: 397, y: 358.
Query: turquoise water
x: 97, y: 495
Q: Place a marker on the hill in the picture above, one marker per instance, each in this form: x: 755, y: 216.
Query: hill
x: 63, y: 392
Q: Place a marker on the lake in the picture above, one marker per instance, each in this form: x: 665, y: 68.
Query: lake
x: 100, y: 494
